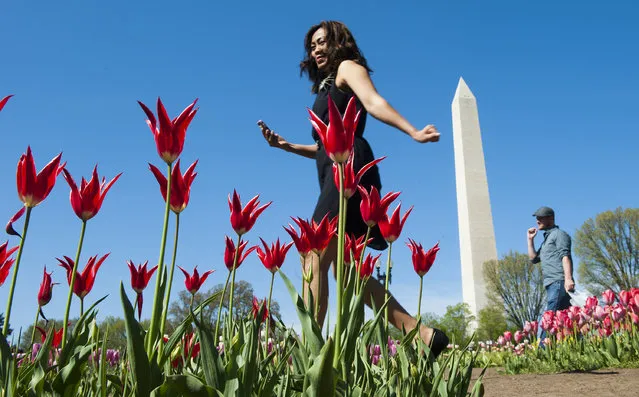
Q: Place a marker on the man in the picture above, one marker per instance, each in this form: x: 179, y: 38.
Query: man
x: 556, y: 260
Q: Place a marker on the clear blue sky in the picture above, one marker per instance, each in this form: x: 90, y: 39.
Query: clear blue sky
x: 556, y: 86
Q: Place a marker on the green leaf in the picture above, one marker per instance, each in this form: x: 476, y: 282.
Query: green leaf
x: 69, y: 377
x: 353, y: 328
x: 310, y: 328
x: 212, y: 365
x: 80, y: 335
x: 138, y: 360
x: 183, y: 385
x: 177, y: 335
x: 231, y: 387
x: 321, y: 375
x: 102, y: 370
x: 37, y: 381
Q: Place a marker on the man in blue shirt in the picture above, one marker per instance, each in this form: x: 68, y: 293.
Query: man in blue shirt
x: 556, y: 260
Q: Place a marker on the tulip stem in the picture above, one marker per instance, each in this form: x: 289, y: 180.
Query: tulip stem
x: 35, y: 324
x: 219, y: 308
x: 5, y: 328
x: 419, y: 301
x: 81, y: 306
x: 158, y: 297
x: 72, y: 283
x: 340, y: 268
x: 388, y: 264
x: 235, y: 260
x: 165, y: 311
x: 268, y: 309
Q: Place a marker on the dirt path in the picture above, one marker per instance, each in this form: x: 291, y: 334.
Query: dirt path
x: 602, y: 383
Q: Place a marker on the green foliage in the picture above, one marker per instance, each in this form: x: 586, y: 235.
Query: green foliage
x: 242, y: 297
x: 491, y: 323
x: 607, y: 248
x: 515, y: 284
x: 455, y: 323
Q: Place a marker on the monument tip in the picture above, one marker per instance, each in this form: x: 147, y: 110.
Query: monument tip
x: 462, y: 90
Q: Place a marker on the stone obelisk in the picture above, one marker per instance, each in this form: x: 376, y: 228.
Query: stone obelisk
x: 476, y: 231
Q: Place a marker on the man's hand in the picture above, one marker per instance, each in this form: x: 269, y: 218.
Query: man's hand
x: 532, y: 232
x: 569, y: 284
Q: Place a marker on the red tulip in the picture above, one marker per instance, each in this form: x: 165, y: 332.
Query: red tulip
x: 139, y: 280
x: 229, y: 253
x: 34, y: 188
x: 422, y: 261
x: 83, y: 281
x: 180, y: 185
x: 257, y: 307
x: 194, y: 282
x: 273, y: 257
x: 5, y: 261
x: 608, y: 296
x: 57, y: 336
x: 372, y: 208
x: 338, y: 137
x: 365, y: 269
x: 302, y: 242
x: 169, y: 134
x: 392, y: 227
x: 351, y: 180
x: 87, y: 200
x: 4, y: 101
x: 243, y: 219
x: 318, y: 235
x: 356, y: 246
x: 46, y: 288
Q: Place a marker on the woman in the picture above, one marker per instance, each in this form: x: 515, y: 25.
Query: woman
x: 336, y: 67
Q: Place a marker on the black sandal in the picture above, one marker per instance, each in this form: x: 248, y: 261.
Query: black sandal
x: 438, y: 342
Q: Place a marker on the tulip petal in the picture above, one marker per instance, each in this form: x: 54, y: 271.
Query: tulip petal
x: 9, y: 228
x: 4, y: 101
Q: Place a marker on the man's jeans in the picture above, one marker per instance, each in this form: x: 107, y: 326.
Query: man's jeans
x: 558, y: 299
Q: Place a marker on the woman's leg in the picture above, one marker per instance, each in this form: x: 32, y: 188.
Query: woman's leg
x: 320, y: 268
x: 397, y: 315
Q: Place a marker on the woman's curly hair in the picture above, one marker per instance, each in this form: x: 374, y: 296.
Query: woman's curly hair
x: 340, y: 45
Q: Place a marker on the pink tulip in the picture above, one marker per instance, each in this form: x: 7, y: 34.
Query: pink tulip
x: 618, y: 313
x: 591, y: 303
x: 600, y: 313
x: 508, y: 336
x: 625, y: 297
x: 519, y: 336
x: 608, y: 296
x: 574, y: 313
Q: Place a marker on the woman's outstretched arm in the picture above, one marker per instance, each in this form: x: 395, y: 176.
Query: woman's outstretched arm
x: 357, y: 79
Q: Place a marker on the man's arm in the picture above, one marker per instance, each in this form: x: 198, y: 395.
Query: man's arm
x: 563, y: 244
x: 532, y: 253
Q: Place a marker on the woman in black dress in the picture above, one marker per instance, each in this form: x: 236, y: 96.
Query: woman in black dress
x: 336, y: 67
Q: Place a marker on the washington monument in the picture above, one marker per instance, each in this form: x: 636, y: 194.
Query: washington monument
x: 476, y: 231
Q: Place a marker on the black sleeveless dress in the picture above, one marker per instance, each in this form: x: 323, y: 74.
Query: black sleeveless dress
x: 328, y: 201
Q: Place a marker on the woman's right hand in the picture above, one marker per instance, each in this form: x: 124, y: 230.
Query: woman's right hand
x: 271, y: 137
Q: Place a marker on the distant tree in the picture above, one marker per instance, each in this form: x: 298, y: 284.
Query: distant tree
x: 608, y: 251
x: 455, y: 322
x: 242, y: 303
x: 491, y: 322
x: 515, y: 284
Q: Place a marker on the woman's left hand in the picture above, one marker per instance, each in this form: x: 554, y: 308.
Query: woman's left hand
x: 427, y: 134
